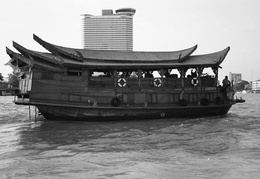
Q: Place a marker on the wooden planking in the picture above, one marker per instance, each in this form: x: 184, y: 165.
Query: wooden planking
x: 45, y: 86
x: 45, y: 96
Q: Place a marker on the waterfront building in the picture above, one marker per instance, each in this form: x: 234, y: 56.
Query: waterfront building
x: 256, y: 86
x: 109, y: 31
x: 235, y: 77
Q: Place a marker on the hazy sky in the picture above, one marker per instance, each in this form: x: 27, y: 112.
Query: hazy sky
x: 165, y: 25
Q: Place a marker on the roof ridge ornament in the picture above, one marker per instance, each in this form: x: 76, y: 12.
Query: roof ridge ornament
x: 28, y: 53
x: 180, y: 60
x: 54, y: 49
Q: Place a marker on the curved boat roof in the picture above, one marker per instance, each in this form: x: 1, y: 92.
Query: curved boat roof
x: 112, y: 55
x: 59, y: 57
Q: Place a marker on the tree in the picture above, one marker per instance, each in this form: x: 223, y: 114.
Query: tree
x: 240, y: 86
x: 13, y: 79
x: 1, y: 77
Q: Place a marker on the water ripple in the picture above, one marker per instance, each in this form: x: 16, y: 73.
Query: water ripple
x: 214, y: 147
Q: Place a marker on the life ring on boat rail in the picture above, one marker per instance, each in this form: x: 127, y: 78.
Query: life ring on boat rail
x: 183, y: 102
x: 157, y: 82
x: 121, y: 82
x: 204, y: 101
x: 115, y: 102
x: 219, y: 100
x: 194, y: 81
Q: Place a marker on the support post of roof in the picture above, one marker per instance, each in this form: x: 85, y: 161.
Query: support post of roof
x: 200, y: 70
x: 215, y: 70
x: 139, y: 77
x: 115, y: 77
x: 182, y: 72
x: 29, y: 112
x: 85, y: 75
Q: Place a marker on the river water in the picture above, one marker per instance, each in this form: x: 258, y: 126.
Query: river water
x: 214, y: 147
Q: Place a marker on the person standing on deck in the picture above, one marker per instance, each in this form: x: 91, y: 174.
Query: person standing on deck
x: 226, y: 84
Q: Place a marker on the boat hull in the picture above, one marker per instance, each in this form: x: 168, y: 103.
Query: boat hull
x: 90, y: 113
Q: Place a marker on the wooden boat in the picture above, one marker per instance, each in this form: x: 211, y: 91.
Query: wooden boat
x: 81, y: 84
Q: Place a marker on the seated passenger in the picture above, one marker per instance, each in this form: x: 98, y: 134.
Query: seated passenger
x: 150, y: 74
x: 193, y: 73
x: 167, y: 74
x: 108, y: 74
x: 146, y: 74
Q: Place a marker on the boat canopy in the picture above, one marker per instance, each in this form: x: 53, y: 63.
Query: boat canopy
x: 60, y: 57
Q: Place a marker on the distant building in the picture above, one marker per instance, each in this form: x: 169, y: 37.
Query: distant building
x: 256, y: 86
x: 109, y: 31
x: 235, y: 77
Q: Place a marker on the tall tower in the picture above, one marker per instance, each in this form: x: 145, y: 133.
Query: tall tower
x: 109, y: 31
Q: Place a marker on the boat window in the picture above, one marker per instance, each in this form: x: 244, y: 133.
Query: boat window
x: 134, y: 74
x: 105, y: 73
x: 208, y: 72
x: 156, y: 74
x: 166, y: 73
x: 174, y: 73
x: 74, y: 72
x: 191, y: 73
x: 208, y: 78
x: 148, y: 74
x: 124, y: 74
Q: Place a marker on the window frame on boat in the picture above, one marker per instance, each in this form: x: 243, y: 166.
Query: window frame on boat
x: 169, y: 77
x: 74, y: 72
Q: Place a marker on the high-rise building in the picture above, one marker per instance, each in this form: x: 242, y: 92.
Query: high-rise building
x: 235, y: 77
x: 109, y: 31
x: 256, y: 86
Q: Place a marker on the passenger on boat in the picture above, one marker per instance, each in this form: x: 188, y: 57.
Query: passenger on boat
x: 193, y: 73
x: 146, y: 74
x: 108, y: 74
x: 167, y: 74
x: 226, y: 84
x: 124, y: 75
x: 150, y: 74
x: 174, y: 75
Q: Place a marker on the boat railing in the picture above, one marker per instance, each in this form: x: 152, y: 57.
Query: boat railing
x: 172, y: 82
x: 150, y: 82
x: 203, y: 82
x: 132, y: 82
x: 80, y: 83
x: 208, y: 81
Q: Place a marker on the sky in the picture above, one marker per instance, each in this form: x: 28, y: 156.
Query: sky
x: 165, y: 25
